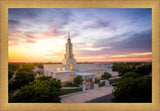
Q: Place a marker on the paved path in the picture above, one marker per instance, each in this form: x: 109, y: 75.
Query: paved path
x: 89, y: 95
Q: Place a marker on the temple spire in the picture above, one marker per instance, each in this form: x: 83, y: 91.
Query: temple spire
x: 69, y: 35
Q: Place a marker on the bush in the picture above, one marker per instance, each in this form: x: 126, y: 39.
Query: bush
x: 133, y: 90
x: 106, y: 75
x: 97, y: 80
x: 70, y: 85
x: 78, y: 80
x: 39, y: 92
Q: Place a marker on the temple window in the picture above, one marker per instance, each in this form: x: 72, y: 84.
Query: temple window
x: 71, y: 66
x: 58, y: 69
x: 63, y: 69
x: 70, y: 78
x: 98, y: 75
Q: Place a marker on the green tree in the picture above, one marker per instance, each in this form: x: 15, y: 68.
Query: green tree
x: 28, y: 65
x: 21, y: 79
x: 78, y: 80
x: 10, y: 74
x: 131, y: 74
x: 40, y: 65
x: 13, y: 66
x: 144, y: 70
x: 39, y: 92
x: 133, y: 90
x: 24, y: 77
x: 43, y: 78
x: 106, y: 75
x: 123, y: 68
x: 27, y: 69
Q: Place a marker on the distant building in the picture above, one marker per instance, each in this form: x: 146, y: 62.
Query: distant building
x: 69, y: 68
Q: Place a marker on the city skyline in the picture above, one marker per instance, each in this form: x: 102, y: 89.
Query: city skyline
x: 98, y: 35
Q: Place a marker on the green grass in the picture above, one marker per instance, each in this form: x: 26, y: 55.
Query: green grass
x: 68, y: 91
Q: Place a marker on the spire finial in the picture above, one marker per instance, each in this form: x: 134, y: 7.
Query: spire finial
x: 69, y: 35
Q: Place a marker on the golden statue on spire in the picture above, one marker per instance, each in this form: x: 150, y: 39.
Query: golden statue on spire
x: 69, y: 35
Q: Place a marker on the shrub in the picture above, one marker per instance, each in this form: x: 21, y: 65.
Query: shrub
x: 106, y: 75
x: 70, y: 85
x: 97, y: 80
x: 78, y: 80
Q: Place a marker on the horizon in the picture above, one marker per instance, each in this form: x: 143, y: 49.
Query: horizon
x: 97, y: 35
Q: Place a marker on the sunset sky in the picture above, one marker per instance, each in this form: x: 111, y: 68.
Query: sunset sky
x: 98, y: 35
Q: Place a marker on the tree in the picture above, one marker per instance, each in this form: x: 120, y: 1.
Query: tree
x: 43, y: 78
x: 123, y: 68
x: 78, y: 80
x: 131, y: 74
x: 133, y: 90
x: 39, y: 92
x: 28, y: 65
x: 10, y: 74
x: 27, y: 69
x: 24, y: 77
x: 144, y: 70
x: 13, y: 66
x: 21, y: 79
x: 106, y: 75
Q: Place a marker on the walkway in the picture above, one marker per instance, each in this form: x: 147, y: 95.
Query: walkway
x: 89, y: 95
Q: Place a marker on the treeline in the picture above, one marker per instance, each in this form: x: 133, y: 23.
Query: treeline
x: 15, y: 65
x: 138, y: 67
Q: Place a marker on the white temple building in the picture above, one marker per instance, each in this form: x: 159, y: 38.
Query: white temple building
x: 69, y: 68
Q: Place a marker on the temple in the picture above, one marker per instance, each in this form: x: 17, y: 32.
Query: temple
x: 69, y: 68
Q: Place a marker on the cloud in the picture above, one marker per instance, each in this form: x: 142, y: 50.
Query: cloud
x: 97, y: 24
x: 129, y: 41
x: 140, y: 41
x: 95, y: 32
x: 133, y: 55
x: 12, y: 21
x: 93, y: 48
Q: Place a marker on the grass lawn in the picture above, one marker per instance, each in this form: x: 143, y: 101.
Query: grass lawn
x: 68, y: 91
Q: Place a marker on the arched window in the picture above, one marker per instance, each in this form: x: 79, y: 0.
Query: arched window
x: 71, y: 66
